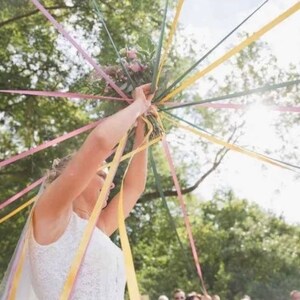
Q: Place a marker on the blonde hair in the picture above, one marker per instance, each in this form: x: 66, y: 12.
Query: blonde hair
x: 58, y: 165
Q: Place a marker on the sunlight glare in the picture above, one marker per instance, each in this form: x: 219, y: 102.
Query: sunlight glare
x: 259, y: 127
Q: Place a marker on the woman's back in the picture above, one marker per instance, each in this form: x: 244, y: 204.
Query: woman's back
x: 101, y: 276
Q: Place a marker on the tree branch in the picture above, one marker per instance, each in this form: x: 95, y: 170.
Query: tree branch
x: 217, y: 161
x: 33, y: 12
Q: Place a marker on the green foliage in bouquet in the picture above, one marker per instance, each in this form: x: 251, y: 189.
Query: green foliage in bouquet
x: 138, y: 64
x: 134, y: 67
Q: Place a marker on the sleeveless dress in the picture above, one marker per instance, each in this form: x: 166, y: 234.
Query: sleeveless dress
x: 101, y: 275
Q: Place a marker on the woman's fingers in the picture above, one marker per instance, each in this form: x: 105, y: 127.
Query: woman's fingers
x: 147, y: 91
x: 150, y: 97
x: 153, y: 111
x: 144, y: 92
x: 146, y: 87
x: 138, y: 93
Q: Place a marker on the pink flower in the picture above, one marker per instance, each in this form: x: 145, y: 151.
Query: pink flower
x: 135, y: 67
x: 143, y: 68
x: 132, y: 53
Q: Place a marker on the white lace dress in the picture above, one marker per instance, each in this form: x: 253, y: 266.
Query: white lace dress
x: 102, y: 273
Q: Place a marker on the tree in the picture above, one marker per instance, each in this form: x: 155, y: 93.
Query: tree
x: 242, y: 249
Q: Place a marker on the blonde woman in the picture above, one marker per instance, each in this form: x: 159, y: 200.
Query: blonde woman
x: 62, y: 210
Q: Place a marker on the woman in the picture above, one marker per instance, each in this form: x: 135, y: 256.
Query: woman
x: 61, y: 213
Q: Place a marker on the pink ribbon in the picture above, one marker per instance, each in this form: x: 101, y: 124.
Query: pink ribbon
x: 29, y: 188
x: 48, y: 144
x: 240, y: 106
x: 21, y: 193
x: 244, y: 106
x: 184, y: 211
x: 63, y: 94
x: 78, y: 47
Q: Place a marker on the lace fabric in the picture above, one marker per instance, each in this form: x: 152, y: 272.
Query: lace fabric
x: 102, y: 273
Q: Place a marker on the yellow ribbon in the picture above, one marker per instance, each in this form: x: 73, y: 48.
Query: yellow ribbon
x: 132, y: 283
x: 133, y: 152
x: 150, y: 130
x: 92, y: 223
x: 124, y: 157
x: 170, y: 38
x: 233, y: 51
x: 11, y: 214
x: 227, y: 145
x: 17, y: 276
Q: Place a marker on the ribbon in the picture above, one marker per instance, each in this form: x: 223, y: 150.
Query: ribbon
x: 48, y: 144
x: 243, y: 106
x: 133, y: 152
x: 132, y: 283
x: 163, y: 198
x: 191, y: 68
x: 17, y: 273
x: 21, y: 193
x: 33, y: 185
x: 20, y: 256
x: 230, y: 146
x: 70, y: 281
x: 78, y: 47
x: 63, y: 95
x: 237, y: 106
x: 170, y: 38
x: 184, y: 211
x: 17, y: 210
x: 261, y: 89
x: 233, y: 51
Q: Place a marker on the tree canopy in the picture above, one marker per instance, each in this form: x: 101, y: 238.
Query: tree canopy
x: 242, y: 248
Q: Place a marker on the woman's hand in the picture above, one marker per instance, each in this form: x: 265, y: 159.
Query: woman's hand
x: 152, y: 111
x: 142, y: 95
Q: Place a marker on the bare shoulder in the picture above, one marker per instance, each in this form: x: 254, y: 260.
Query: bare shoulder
x: 49, y: 224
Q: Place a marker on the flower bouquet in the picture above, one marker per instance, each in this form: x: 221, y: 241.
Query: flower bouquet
x: 134, y: 67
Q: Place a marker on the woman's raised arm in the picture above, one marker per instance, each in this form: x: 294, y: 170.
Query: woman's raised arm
x: 134, y: 185
x: 56, y: 201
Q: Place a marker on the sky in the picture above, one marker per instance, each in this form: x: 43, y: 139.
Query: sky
x: 207, y: 21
